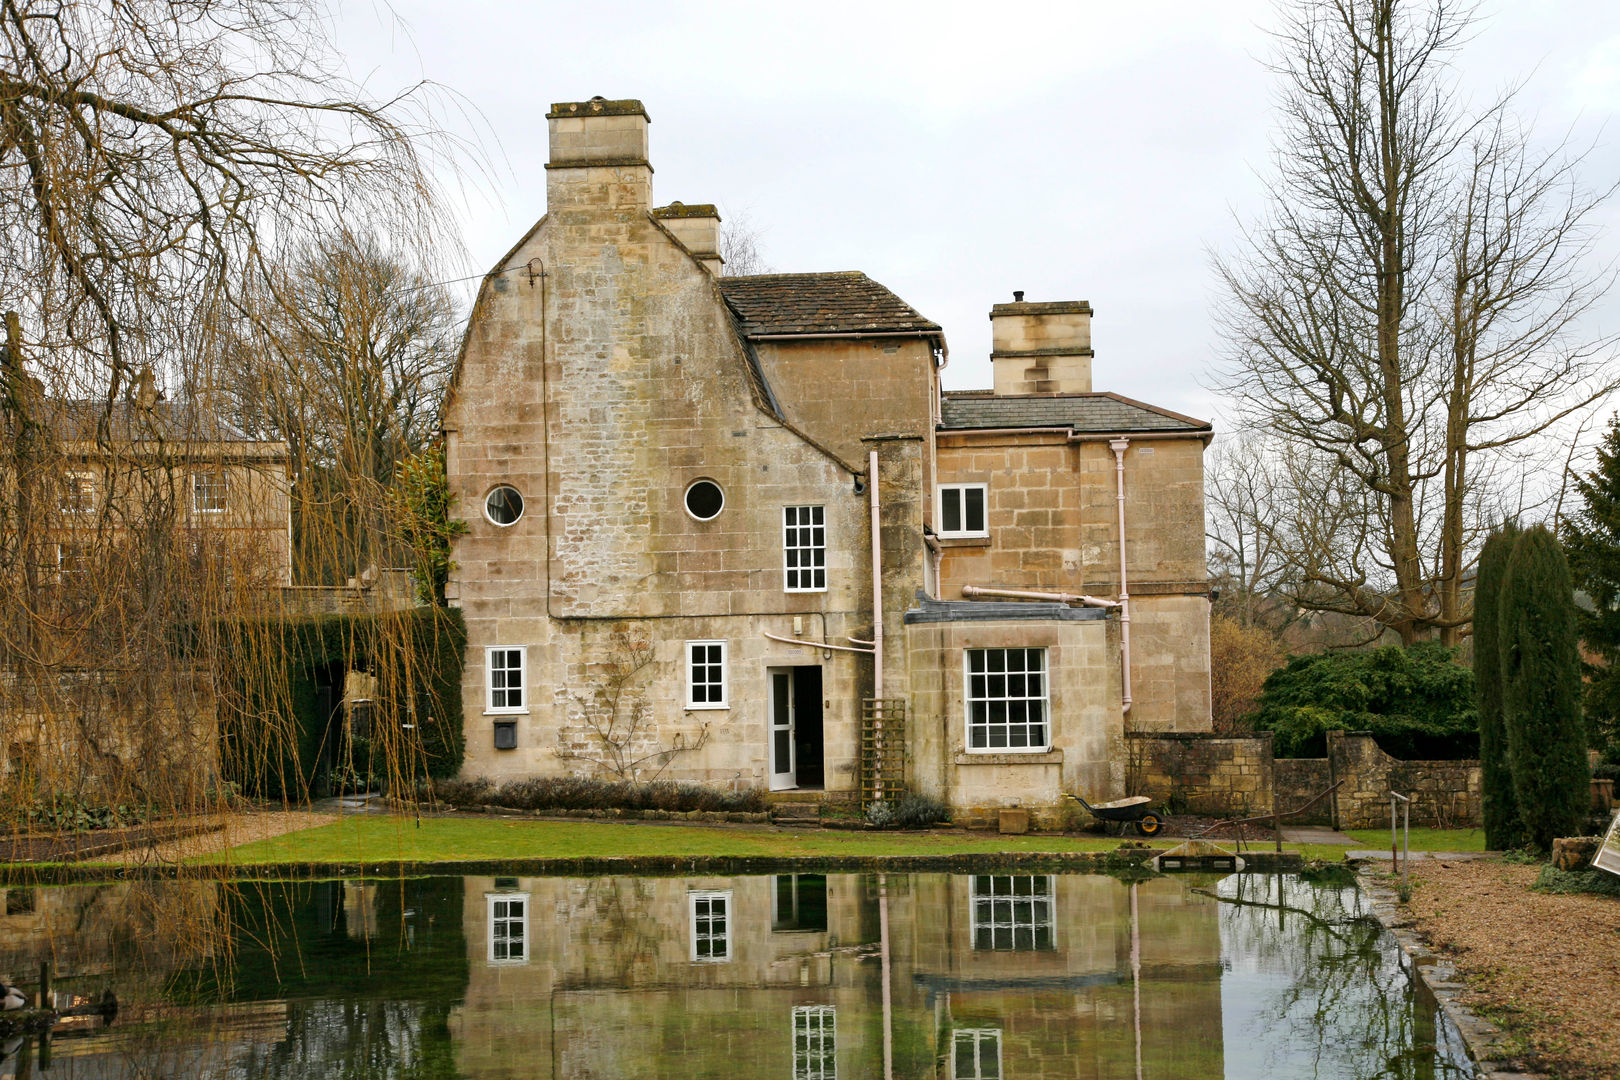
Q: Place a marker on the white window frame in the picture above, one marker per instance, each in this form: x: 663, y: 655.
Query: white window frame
x: 204, y: 477
x: 692, y: 684
x: 978, y: 1036
x: 490, y: 708
x: 1007, y: 699
x: 817, y: 553
x: 815, y: 1042
x: 1011, y: 912
x: 505, y: 922
x: 956, y: 492
x: 75, y: 561
x: 727, y: 917
x: 78, y: 494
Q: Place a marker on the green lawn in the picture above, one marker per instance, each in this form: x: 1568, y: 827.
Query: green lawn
x: 1424, y: 839
x: 384, y: 839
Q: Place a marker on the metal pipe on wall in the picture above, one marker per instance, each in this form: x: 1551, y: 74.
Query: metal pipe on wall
x: 1119, y: 446
x: 877, y: 575
x: 973, y: 592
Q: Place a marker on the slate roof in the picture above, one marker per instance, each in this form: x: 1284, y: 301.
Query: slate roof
x: 75, y: 420
x: 843, y: 302
x: 966, y: 410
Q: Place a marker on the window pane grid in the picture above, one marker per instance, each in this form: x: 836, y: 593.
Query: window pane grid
x: 509, y: 928
x: 962, y: 510
x: 208, y: 492
x: 1006, y: 699
x: 815, y: 1042
x: 506, y: 678
x: 1013, y: 913
x: 705, y: 673
x: 804, y: 548
x: 976, y: 1054
x: 711, y: 927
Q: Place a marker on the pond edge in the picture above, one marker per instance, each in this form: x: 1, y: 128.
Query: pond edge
x: 1131, y: 862
x: 1485, y: 1041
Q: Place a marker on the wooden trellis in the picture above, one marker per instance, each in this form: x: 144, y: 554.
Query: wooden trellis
x: 883, y: 750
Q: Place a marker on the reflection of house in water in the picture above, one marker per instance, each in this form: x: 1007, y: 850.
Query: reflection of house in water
x: 988, y: 975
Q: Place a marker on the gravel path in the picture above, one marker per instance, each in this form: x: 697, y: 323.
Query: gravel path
x: 1545, y: 967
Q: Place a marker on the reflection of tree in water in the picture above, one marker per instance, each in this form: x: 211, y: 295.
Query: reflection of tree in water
x: 1345, y: 1004
x: 355, y: 1040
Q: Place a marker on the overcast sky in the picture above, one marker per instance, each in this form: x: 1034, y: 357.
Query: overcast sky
x: 955, y: 152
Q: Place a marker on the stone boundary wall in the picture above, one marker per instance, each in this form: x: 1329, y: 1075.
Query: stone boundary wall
x: 1299, y: 780
x: 1445, y: 794
x: 1200, y: 772
x: 1237, y: 776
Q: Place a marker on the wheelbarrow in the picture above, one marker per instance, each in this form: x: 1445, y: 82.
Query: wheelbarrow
x: 1132, y: 811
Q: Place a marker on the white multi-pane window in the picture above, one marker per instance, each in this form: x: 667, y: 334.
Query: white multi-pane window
x: 1013, y: 912
x: 506, y: 676
x: 1006, y: 701
x: 208, y: 492
x: 815, y: 1042
x: 78, y: 494
x: 75, y: 563
x: 976, y: 1054
x: 711, y: 926
x: 804, y: 548
x: 706, y: 675
x: 509, y: 928
x: 961, y: 510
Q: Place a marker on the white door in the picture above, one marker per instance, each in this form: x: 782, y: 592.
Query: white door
x: 781, y: 730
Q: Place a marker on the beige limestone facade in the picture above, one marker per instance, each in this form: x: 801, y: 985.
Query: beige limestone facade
x: 668, y: 478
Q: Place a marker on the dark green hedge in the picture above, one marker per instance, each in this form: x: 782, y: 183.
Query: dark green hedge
x: 1418, y: 703
x: 275, y: 722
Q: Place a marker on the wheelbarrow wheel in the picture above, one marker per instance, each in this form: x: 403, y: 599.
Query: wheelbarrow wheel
x: 1149, y: 824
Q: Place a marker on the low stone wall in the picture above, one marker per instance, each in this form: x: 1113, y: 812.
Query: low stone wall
x: 1226, y: 776
x: 1299, y: 780
x: 1201, y: 773
x: 1445, y: 794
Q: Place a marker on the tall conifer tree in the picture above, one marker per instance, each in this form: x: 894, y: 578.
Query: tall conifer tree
x: 1503, y: 829
x: 1541, y: 688
x: 1592, y: 540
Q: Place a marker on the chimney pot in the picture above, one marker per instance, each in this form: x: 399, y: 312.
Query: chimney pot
x: 1018, y: 296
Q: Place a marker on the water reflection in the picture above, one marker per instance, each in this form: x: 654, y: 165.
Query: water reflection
x: 809, y: 977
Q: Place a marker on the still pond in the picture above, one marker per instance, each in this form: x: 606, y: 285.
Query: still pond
x: 801, y: 977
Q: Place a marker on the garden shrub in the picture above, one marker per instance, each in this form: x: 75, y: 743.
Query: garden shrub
x: 1417, y: 702
x: 1541, y: 689
x: 879, y: 814
x: 1554, y: 880
x: 591, y: 793
x: 919, y: 812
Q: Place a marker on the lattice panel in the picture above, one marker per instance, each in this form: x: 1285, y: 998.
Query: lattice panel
x: 883, y: 750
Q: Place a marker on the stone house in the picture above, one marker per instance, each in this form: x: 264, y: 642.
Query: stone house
x: 733, y: 530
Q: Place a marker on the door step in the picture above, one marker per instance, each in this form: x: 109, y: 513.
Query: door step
x: 796, y: 813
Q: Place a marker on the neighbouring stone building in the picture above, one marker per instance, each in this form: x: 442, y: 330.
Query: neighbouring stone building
x: 733, y: 530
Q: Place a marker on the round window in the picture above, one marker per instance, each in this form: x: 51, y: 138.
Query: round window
x: 705, y: 500
x: 503, y: 505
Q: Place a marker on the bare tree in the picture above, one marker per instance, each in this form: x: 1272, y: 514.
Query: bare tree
x: 1410, y: 311
x: 739, y: 247
x: 617, y: 734
x: 346, y: 358
x: 1247, y: 528
x: 159, y: 159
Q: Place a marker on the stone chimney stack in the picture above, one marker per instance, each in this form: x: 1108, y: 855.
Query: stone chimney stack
x: 698, y: 228
x: 1041, y: 348
x: 598, y: 156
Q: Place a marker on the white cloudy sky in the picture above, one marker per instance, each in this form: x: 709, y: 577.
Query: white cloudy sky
x: 955, y: 152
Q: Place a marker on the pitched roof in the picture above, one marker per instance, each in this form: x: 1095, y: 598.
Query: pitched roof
x: 844, y: 302
x: 76, y: 420
x: 967, y: 410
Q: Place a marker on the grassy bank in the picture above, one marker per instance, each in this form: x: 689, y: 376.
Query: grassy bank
x: 374, y: 838
x: 1424, y: 839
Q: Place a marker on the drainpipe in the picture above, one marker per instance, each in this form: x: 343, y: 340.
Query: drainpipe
x: 1118, y: 446
x: 936, y: 555
x: 877, y: 577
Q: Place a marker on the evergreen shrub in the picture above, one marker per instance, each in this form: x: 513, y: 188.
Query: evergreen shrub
x: 1503, y: 828
x: 1541, y: 689
x: 1417, y: 702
